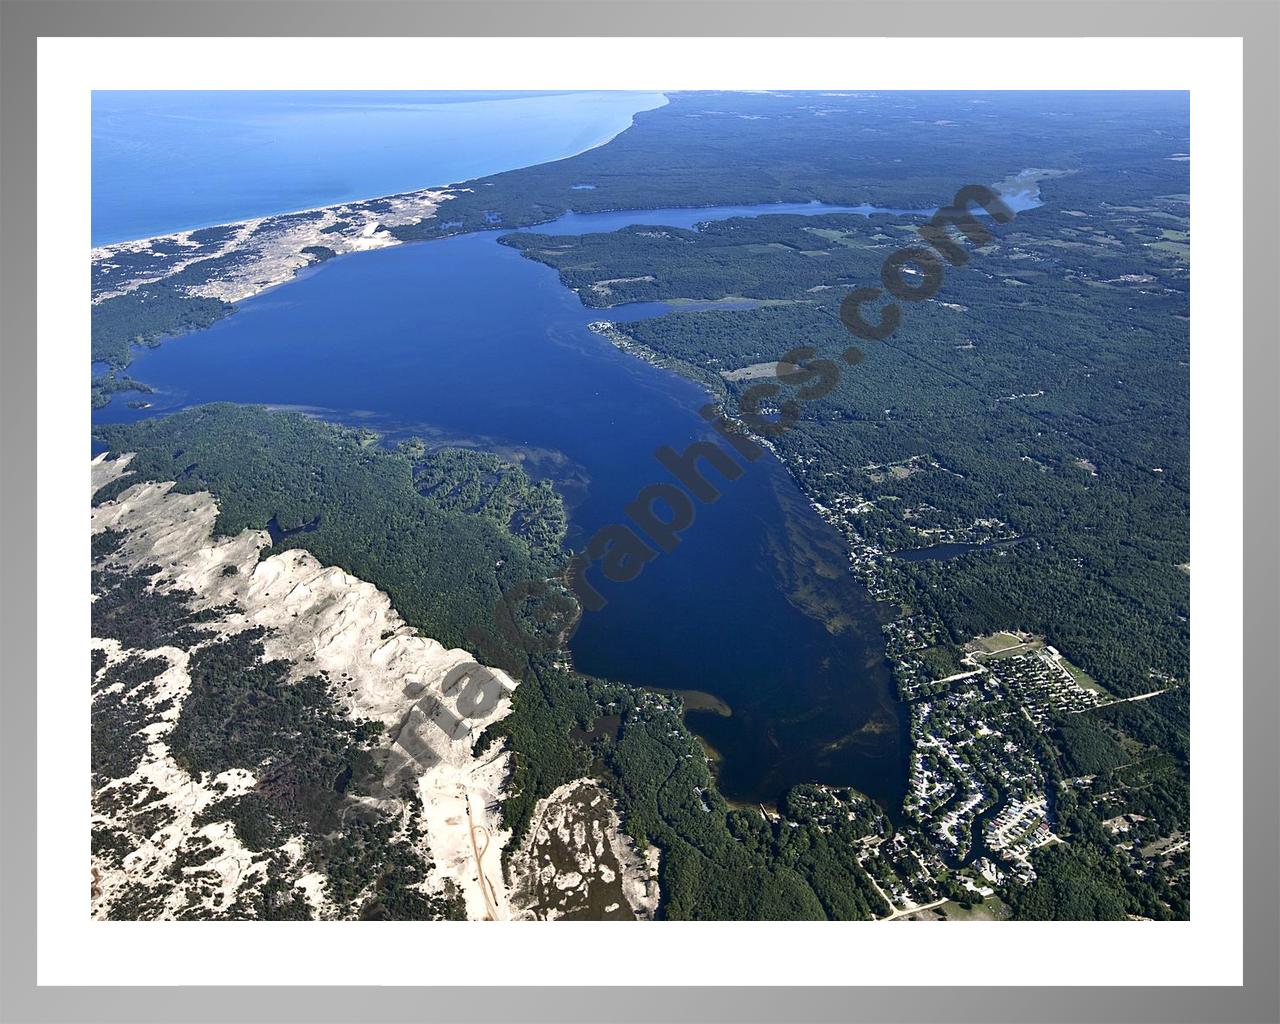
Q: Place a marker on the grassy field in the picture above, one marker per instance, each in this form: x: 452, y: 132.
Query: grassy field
x: 990, y: 909
x: 1085, y: 680
x: 997, y: 642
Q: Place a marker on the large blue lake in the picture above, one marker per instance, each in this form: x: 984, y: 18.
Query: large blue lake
x: 169, y: 161
x: 463, y: 340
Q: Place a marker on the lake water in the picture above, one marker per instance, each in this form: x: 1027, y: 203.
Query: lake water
x: 169, y: 161
x: 690, y: 216
x: 464, y: 339
x: 942, y: 552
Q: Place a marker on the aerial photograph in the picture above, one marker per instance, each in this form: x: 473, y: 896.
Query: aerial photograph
x: 649, y: 506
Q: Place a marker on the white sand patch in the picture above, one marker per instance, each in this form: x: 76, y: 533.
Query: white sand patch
x: 594, y: 843
x: 461, y: 803
x: 164, y: 789
x: 268, y: 251
x: 755, y: 371
x: 103, y: 471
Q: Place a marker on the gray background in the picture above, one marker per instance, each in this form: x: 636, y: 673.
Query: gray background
x: 1257, y: 21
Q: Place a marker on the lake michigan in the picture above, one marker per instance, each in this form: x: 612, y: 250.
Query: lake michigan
x: 171, y: 161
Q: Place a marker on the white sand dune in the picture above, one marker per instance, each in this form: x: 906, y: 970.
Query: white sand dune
x: 268, y: 251
x: 320, y: 619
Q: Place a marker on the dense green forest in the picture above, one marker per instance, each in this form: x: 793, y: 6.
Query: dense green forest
x: 479, y: 483
x: 896, y: 150
x: 1040, y: 389
x: 1127, y: 761
x: 147, y: 315
x: 444, y: 567
x: 718, y: 863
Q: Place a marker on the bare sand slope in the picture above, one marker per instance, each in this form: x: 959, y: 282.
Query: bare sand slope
x: 321, y: 619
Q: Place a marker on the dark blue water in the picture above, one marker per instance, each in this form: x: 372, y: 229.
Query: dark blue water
x: 691, y: 216
x: 462, y: 338
x: 169, y: 161
x: 942, y: 552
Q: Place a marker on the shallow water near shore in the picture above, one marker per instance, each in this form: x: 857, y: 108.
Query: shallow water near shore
x: 207, y: 158
x: 462, y: 338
